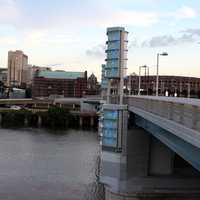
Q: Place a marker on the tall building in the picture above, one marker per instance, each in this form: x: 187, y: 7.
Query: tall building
x: 116, y: 61
x: 17, y: 64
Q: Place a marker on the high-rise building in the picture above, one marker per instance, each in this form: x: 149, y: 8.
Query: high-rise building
x: 116, y: 61
x: 17, y: 64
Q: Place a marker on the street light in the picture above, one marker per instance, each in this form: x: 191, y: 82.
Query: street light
x: 157, y: 71
x: 139, y: 84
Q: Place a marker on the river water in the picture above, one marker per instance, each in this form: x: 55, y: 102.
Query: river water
x: 39, y: 165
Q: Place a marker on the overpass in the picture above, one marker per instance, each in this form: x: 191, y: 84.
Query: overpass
x: 161, y: 131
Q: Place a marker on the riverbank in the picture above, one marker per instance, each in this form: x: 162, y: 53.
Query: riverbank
x: 53, y: 118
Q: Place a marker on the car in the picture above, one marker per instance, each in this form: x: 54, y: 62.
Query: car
x: 15, y: 107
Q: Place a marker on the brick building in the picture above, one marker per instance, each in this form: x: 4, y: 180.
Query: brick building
x: 180, y: 85
x: 59, y: 83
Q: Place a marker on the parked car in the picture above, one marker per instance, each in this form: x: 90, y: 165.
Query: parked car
x: 15, y: 107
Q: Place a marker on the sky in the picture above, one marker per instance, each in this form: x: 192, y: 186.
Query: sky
x: 71, y: 34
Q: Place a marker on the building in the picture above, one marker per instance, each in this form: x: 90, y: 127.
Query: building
x: 30, y: 72
x: 92, y: 85
x: 116, y: 60
x: 27, y: 76
x: 59, y: 83
x: 17, y: 93
x: 168, y: 85
x: 17, y: 64
x: 37, y: 69
x: 3, y: 75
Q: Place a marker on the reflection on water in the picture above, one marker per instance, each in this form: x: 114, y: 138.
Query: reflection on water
x: 95, y: 190
x: 35, y: 164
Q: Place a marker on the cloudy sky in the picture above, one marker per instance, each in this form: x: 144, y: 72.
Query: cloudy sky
x: 71, y: 34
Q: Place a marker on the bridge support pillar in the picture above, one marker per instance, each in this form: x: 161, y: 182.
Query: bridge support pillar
x: 91, y: 121
x: 138, y: 148
x: 114, y: 132
x: 81, y: 121
x: 25, y: 121
x: 161, y: 159
x: 0, y: 119
x: 39, y: 121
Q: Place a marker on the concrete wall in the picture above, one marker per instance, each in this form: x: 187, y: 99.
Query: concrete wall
x: 138, y: 143
x: 161, y: 159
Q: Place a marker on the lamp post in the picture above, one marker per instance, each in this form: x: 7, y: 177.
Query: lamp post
x: 146, y: 70
x: 157, y: 71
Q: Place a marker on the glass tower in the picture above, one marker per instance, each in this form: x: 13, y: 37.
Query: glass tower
x: 116, y: 60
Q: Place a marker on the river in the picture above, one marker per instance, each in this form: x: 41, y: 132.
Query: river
x: 39, y: 165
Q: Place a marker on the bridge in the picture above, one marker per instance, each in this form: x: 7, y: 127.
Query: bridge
x: 164, y: 133
x: 150, y: 145
x: 174, y: 121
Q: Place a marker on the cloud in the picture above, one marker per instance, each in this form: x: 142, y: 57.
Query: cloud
x: 185, y: 12
x: 8, y: 11
x: 193, y: 32
x: 132, y: 18
x: 5, y: 41
x: 97, y: 51
x: 132, y: 44
x: 46, y: 37
x: 187, y: 36
x: 169, y: 40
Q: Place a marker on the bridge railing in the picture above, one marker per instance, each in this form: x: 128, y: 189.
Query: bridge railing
x: 181, y: 110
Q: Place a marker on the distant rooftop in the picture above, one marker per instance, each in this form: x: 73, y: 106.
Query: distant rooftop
x: 61, y: 74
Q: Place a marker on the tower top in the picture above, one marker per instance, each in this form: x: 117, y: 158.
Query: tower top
x: 117, y: 28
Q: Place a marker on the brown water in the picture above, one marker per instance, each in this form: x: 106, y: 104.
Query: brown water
x: 38, y: 165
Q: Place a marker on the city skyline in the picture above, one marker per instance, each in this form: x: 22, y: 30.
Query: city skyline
x: 71, y: 35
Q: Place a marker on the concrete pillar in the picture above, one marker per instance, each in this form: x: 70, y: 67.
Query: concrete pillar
x: 39, y: 121
x: 26, y: 121
x: 80, y: 121
x: 0, y: 119
x: 138, y: 142
x: 91, y: 121
x: 161, y: 159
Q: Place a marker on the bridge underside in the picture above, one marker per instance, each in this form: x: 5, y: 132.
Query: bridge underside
x: 145, y: 171
x: 148, y: 168
x: 186, y: 150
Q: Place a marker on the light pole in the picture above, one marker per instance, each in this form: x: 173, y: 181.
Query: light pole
x: 139, y: 84
x: 157, y: 71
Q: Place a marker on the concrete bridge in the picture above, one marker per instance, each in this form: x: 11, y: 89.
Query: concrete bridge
x: 160, y: 156
x: 174, y: 121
